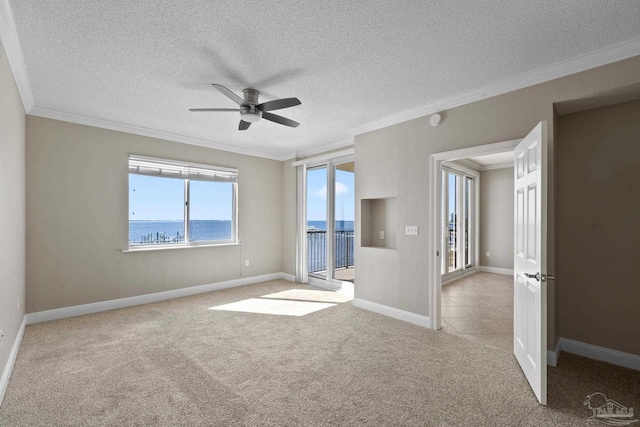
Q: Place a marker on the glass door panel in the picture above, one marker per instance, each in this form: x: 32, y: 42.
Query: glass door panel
x: 344, y: 237
x: 458, y: 198
x: 453, y: 225
x: 468, y: 223
x: 317, y: 221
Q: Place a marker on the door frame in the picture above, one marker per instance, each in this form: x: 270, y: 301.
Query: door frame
x: 329, y: 160
x: 435, y: 208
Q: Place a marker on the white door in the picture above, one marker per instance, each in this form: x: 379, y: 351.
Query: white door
x: 530, y: 287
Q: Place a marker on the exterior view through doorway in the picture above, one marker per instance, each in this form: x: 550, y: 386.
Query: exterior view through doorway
x: 326, y: 222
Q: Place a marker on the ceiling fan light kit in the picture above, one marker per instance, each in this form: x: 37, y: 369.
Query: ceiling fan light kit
x: 251, y: 111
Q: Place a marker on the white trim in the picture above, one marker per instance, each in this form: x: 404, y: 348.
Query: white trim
x: 288, y: 277
x: 329, y: 285
x: 323, y: 157
x: 553, y: 355
x: 477, y: 150
x: 497, y: 166
x: 138, y: 130
x: 11, y: 44
x: 467, y: 164
x: 96, y: 307
x: 152, y: 247
x: 324, y: 148
x: 405, y: 316
x: 603, y: 354
x: 587, y: 61
x: 496, y: 270
x: 8, y: 368
x: 458, y: 274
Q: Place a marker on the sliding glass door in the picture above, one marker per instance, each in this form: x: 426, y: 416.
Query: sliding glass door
x: 458, y: 198
x: 330, y: 205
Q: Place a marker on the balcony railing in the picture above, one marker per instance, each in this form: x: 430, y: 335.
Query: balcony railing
x: 317, y: 249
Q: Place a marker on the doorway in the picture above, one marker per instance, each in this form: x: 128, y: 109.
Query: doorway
x: 477, y: 215
x: 329, y: 223
x: 529, y: 252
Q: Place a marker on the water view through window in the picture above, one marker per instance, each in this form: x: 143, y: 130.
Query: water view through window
x: 157, y: 210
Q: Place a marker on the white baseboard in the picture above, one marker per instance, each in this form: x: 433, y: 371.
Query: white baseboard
x: 8, y: 368
x: 603, y: 354
x: 554, y: 355
x: 496, y: 270
x: 396, y: 313
x: 289, y: 277
x: 96, y: 307
x: 458, y: 275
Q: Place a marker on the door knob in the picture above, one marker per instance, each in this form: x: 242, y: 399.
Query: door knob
x: 533, y: 276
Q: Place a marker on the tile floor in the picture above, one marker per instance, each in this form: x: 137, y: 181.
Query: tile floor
x: 480, y: 307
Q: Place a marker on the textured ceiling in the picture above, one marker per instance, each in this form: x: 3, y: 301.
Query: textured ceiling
x: 145, y: 62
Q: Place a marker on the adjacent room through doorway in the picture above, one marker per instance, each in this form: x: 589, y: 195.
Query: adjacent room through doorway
x: 477, y: 251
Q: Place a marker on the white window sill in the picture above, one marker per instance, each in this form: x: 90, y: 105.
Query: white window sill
x: 142, y: 248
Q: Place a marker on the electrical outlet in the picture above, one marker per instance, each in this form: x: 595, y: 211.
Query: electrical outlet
x: 246, y: 263
x: 382, y: 235
x: 1, y: 338
x: 488, y: 254
x: 411, y: 230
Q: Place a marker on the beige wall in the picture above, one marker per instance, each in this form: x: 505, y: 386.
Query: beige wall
x: 599, y: 226
x: 496, y: 218
x: 77, y: 203
x: 12, y: 210
x: 393, y: 162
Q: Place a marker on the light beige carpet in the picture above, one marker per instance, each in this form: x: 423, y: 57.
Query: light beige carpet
x: 180, y: 363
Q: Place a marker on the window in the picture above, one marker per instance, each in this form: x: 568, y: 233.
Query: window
x: 180, y: 204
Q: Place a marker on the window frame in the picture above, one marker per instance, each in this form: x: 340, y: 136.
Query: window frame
x: 187, y: 172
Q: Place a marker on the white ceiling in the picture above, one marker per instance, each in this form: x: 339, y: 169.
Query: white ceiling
x: 141, y: 64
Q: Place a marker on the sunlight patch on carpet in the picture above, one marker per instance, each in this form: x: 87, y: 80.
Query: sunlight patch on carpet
x: 273, y: 306
x: 310, y: 295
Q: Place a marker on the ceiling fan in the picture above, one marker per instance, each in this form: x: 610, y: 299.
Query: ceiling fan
x: 251, y: 111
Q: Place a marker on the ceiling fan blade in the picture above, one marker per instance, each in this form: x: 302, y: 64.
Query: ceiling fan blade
x: 244, y: 125
x: 280, y: 119
x: 232, y: 96
x: 213, y: 109
x: 279, y: 103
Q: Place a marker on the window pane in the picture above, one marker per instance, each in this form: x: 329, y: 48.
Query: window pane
x: 156, y: 210
x: 210, y: 211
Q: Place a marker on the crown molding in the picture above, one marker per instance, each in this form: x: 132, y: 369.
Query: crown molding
x: 323, y: 149
x: 11, y: 44
x: 587, y: 61
x: 137, y: 130
x: 497, y: 166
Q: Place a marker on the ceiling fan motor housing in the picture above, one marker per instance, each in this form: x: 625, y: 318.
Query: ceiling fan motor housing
x: 249, y: 112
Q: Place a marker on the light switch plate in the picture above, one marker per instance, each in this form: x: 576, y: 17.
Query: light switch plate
x: 411, y: 230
